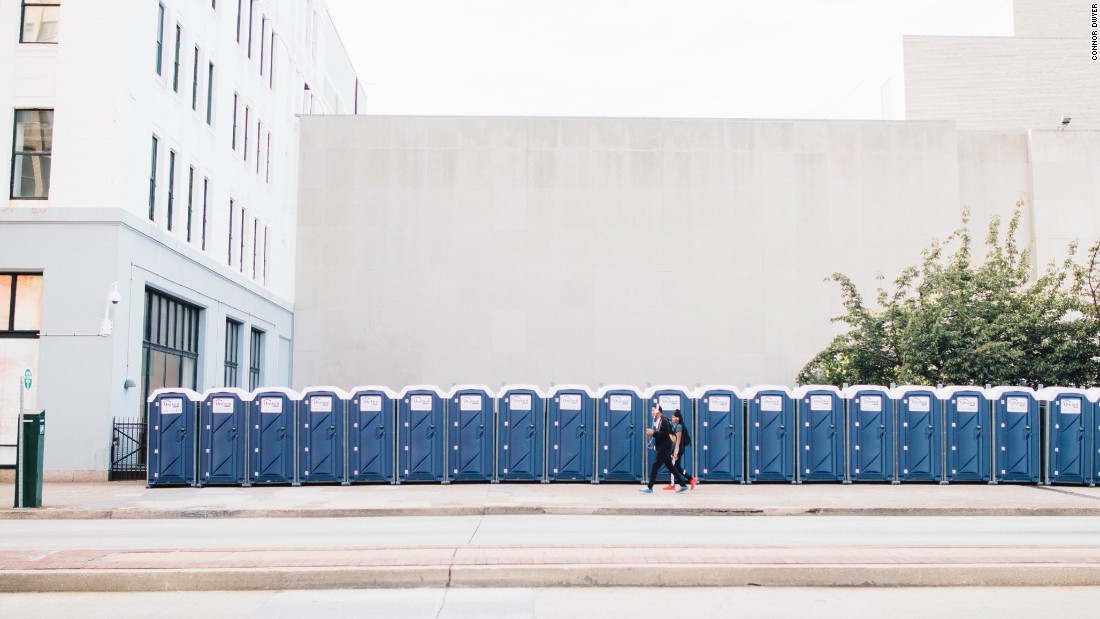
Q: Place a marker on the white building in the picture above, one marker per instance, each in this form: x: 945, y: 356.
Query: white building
x: 155, y: 154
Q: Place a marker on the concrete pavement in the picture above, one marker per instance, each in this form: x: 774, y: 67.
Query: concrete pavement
x: 88, y: 536
x: 134, y: 500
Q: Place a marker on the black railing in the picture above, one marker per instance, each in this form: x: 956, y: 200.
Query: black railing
x: 127, y: 450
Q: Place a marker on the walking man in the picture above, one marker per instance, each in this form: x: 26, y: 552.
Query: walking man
x: 661, y: 432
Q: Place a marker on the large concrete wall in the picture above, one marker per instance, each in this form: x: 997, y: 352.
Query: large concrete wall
x: 450, y: 250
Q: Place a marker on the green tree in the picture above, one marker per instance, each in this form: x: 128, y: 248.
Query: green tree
x: 950, y: 320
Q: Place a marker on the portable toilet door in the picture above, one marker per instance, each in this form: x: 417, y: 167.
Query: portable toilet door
x: 771, y: 434
x: 672, y: 398
x: 820, y: 433
x: 470, y: 414
x: 1092, y: 437
x: 1016, y: 434
x: 720, y: 423
x: 171, y: 430
x: 570, y: 433
x: 919, y: 437
x: 421, y: 430
x: 271, y: 418
x: 322, y: 420
x: 371, y: 435
x: 1067, y: 453
x: 622, y: 435
x: 967, y: 430
x: 521, y: 434
x: 870, y: 433
x: 223, y: 427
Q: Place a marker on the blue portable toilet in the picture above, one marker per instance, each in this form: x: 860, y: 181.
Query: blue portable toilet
x: 421, y: 434
x: 322, y: 449
x: 570, y: 433
x: 771, y: 433
x: 521, y: 433
x: 1016, y: 446
x: 967, y: 428
x: 720, y: 434
x: 919, y: 433
x: 622, y: 422
x: 870, y: 433
x: 1069, y: 419
x: 271, y: 419
x: 372, y: 432
x: 171, y: 431
x: 470, y: 433
x: 820, y: 416
x: 223, y: 430
x: 672, y: 398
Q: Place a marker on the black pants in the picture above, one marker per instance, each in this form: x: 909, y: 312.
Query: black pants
x: 663, y: 458
x: 679, y: 466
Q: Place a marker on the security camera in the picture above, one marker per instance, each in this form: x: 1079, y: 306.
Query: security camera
x: 113, y: 296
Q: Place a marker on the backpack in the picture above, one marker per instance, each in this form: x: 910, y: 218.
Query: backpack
x: 684, y: 436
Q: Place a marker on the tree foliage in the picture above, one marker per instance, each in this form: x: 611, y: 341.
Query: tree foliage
x: 953, y: 320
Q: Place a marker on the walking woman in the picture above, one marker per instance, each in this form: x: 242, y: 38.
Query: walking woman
x: 681, y: 441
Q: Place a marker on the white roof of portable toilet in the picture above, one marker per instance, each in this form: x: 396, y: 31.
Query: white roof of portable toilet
x: 651, y: 391
x: 340, y: 393
x: 194, y: 396
x: 701, y: 391
x: 458, y: 388
x: 386, y: 390
x: 851, y: 391
x: 290, y: 393
x: 604, y: 390
x: 506, y: 388
x: 945, y: 393
x: 237, y: 391
x: 995, y: 392
x: 554, y: 390
x: 1049, y: 394
x: 900, y: 391
x: 409, y: 388
x: 804, y: 389
x: 1093, y: 394
x: 752, y: 392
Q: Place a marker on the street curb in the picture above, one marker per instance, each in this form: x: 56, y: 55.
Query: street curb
x: 49, y: 513
x: 640, y: 575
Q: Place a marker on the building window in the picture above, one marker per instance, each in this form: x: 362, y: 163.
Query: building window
x: 229, y: 253
x: 160, y: 37
x: 267, y: 172
x: 263, y: 43
x: 171, y: 344
x: 240, y: 253
x: 205, y: 194
x: 41, y: 19
x: 259, y: 130
x: 195, y: 82
x: 255, y: 237
x: 20, y: 305
x: 255, y: 359
x: 271, y: 63
x: 232, y: 353
x: 32, y: 158
x: 251, y: 6
x: 236, y: 104
x: 176, y: 60
x: 265, y: 255
x: 210, y: 94
x: 246, y: 114
x: 171, y: 185
x: 153, y: 183
x: 240, y: 3
x: 190, y: 198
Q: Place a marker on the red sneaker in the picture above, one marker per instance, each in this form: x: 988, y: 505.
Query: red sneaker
x: 692, y: 483
x: 669, y: 487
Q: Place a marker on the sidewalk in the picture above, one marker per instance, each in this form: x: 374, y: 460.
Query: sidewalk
x: 134, y: 500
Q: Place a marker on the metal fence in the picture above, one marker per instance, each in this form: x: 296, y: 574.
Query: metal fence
x: 127, y: 450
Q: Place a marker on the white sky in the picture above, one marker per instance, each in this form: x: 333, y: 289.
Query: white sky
x: 686, y: 58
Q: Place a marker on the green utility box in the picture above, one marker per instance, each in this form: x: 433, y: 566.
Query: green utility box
x: 28, y: 459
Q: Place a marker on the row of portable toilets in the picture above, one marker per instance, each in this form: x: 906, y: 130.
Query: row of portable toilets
x: 765, y: 433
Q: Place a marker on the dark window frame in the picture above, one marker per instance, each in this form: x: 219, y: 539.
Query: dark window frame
x: 153, y: 181
x: 195, y: 82
x: 255, y: 358
x: 160, y: 38
x: 205, y: 196
x: 232, y: 376
x: 23, y: 20
x: 9, y: 331
x: 41, y: 155
x: 190, y: 198
x: 176, y: 59
x: 171, y: 186
x: 210, y: 93
x: 171, y: 327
